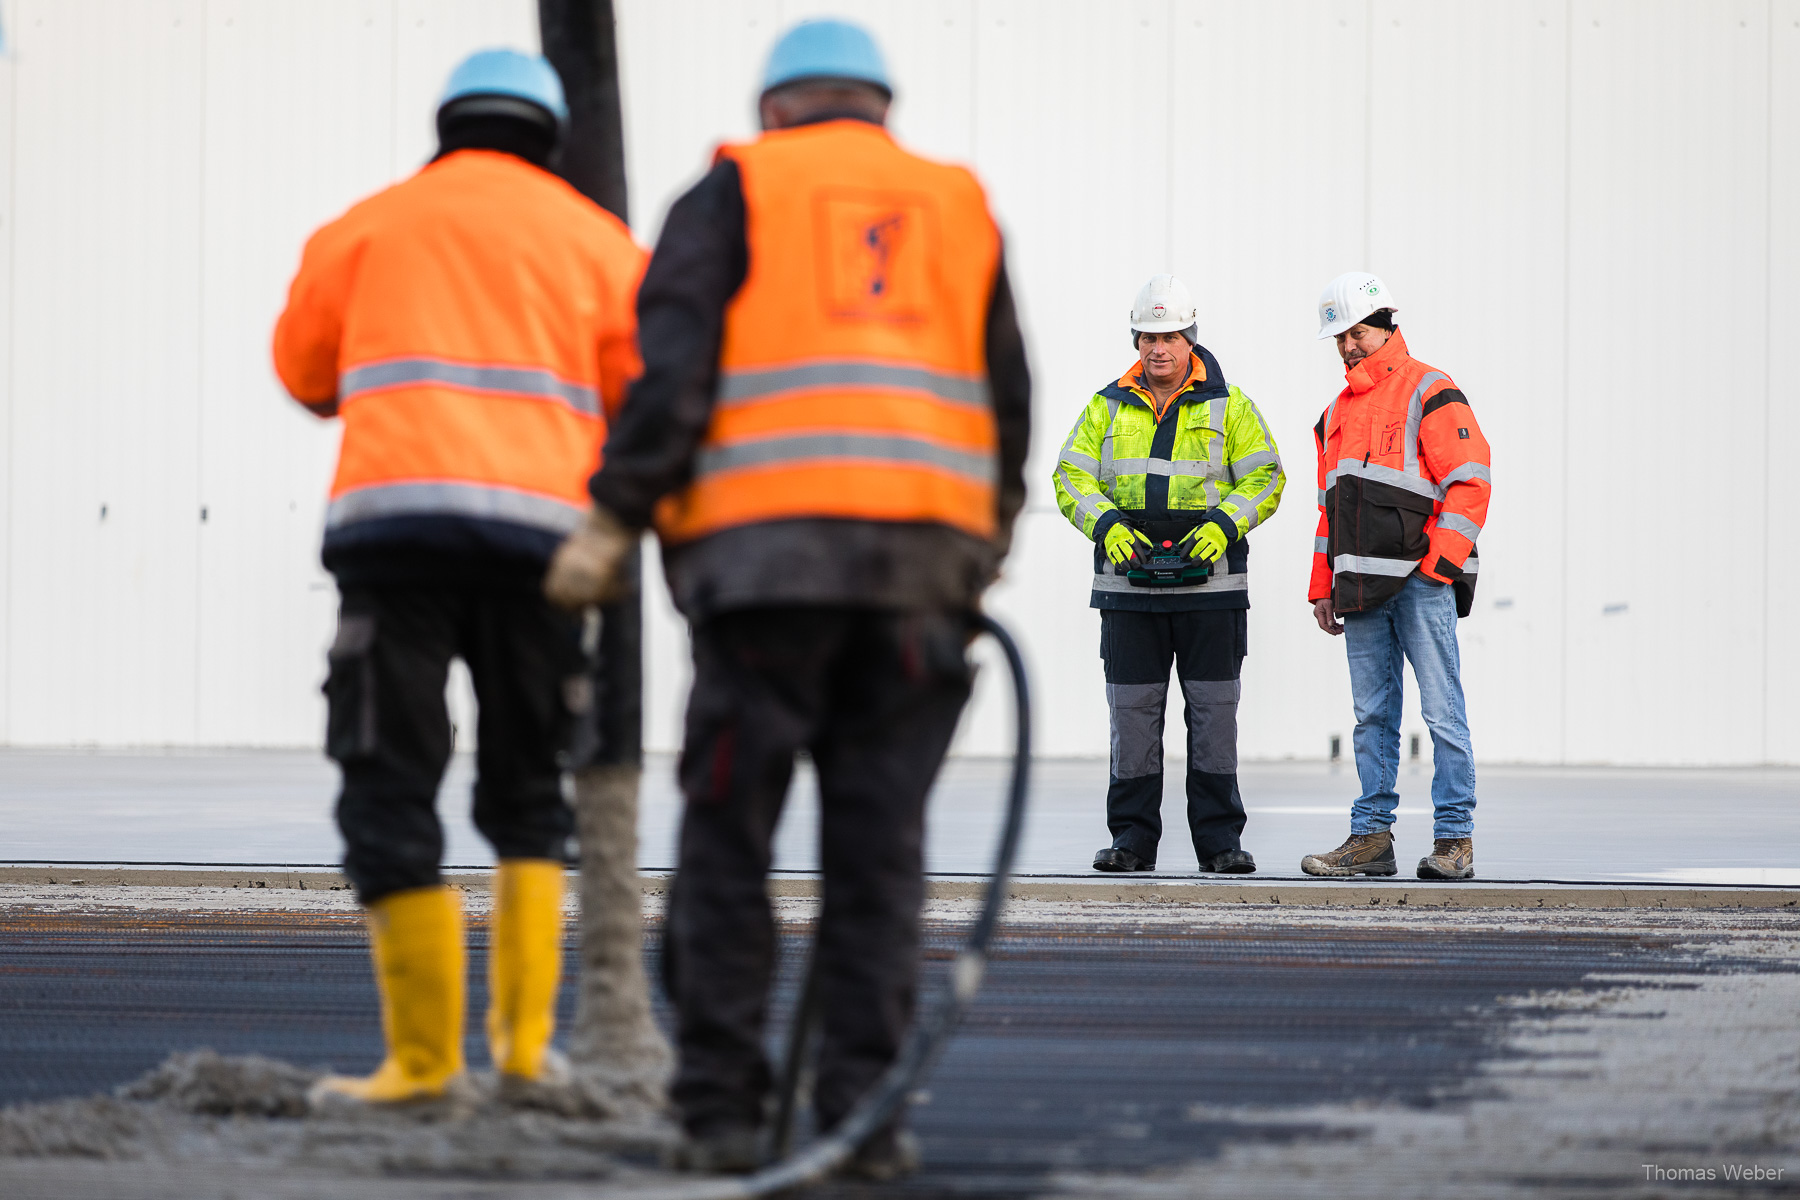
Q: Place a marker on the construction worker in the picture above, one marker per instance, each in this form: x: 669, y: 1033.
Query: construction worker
x: 829, y: 437
x: 1167, y: 471
x: 472, y: 326
x: 1403, y: 493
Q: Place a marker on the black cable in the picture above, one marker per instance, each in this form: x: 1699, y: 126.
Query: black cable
x: 793, y: 1067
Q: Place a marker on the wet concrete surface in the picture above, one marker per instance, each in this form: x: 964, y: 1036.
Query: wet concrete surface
x: 1689, y: 826
x: 1110, y: 1048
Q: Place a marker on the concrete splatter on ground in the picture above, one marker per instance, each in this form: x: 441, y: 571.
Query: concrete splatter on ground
x: 1639, y: 1086
x: 1128, y: 1050
x: 250, y: 1112
x: 63, y: 898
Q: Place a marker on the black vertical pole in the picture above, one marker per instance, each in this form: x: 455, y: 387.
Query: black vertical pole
x: 580, y: 40
x: 581, y: 43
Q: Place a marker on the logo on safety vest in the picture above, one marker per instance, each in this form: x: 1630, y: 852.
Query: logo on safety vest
x: 874, y: 255
x: 1390, y: 440
x: 880, y: 238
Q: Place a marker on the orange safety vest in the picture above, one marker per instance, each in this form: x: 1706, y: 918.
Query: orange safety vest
x: 474, y: 325
x: 853, y: 369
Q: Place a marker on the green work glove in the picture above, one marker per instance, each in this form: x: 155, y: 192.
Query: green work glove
x: 1204, y: 542
x: 1122, y: 542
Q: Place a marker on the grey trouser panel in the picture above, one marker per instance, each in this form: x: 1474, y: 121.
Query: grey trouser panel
x: 1206, y: 649
x: 1137, y: 711
x: 1212, y: 723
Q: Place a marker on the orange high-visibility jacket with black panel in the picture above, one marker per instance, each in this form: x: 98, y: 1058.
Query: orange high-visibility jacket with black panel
x: 852, y: 381
x: 1404, y: 483
x: 474, y: 326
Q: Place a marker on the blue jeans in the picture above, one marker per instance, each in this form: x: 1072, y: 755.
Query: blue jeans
x: 1419, y: 623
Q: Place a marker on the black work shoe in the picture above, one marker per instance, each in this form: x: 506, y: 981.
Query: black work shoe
x: 1229, y: 862
x: 727, y: 1150
x: 1114, y: 859
x: 1450, y: 858
x: 1361, y: 854
x: 884, y: 1158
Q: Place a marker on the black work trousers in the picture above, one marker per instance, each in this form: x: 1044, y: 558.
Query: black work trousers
x: 1207, y: 651
x: 874, y: 696
x: 389, y: 729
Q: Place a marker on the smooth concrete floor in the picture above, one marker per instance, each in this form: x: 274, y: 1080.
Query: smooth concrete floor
x: 1699, y: 826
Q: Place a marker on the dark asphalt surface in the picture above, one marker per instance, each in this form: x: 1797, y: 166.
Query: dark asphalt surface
x: 1086, y: 1048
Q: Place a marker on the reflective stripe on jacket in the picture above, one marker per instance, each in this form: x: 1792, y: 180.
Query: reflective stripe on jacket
x: 852, y: 371
x: 1403, y: 484
x: 473, y: 326
x: 1208, y: 456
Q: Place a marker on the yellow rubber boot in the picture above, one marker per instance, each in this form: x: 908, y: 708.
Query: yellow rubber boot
x: 421, y: 967
x: 524, y: 965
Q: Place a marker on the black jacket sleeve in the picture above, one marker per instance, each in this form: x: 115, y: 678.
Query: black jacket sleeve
x: 699, y: 263
x: 1009, y: 382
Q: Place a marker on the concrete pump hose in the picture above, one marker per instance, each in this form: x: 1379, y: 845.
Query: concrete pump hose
x: 931, y: 1033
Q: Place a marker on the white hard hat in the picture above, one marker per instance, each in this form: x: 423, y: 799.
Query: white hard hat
x: 1348, y: 299
x: 1163, y: 306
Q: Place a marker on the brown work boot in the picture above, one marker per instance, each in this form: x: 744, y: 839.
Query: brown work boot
x: 1450, y: 858
x: 1361, y: 854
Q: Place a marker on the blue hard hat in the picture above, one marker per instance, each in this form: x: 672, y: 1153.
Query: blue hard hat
x: 826, y: 49
x: 509, y: 75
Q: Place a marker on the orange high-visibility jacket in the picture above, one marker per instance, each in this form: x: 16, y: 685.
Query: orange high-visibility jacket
x: 1403, y: 484
x: 852, y: 370
x: 473, y: 325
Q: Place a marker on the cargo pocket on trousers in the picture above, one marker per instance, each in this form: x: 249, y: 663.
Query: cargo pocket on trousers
x: 350, y: 690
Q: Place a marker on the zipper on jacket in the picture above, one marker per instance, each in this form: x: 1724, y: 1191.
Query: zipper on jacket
x: 1162, y: 446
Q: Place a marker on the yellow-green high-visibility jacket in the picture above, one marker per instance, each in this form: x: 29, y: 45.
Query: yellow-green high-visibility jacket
x: 1208, y: 456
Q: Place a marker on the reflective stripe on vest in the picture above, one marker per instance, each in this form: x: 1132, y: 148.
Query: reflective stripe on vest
x: 1220, y: 582
x: 453, y: 499
x: 844, y: 447
x: 467, y: 377
x: 852, y: 369
x: 740, y: 387
x: 1394, y: 568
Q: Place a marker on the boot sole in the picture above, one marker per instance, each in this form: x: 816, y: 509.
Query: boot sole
x: 1345, y: 872
x: 1426, y: 872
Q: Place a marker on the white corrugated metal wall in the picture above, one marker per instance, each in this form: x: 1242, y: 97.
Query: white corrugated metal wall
x: 1586, y: 207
